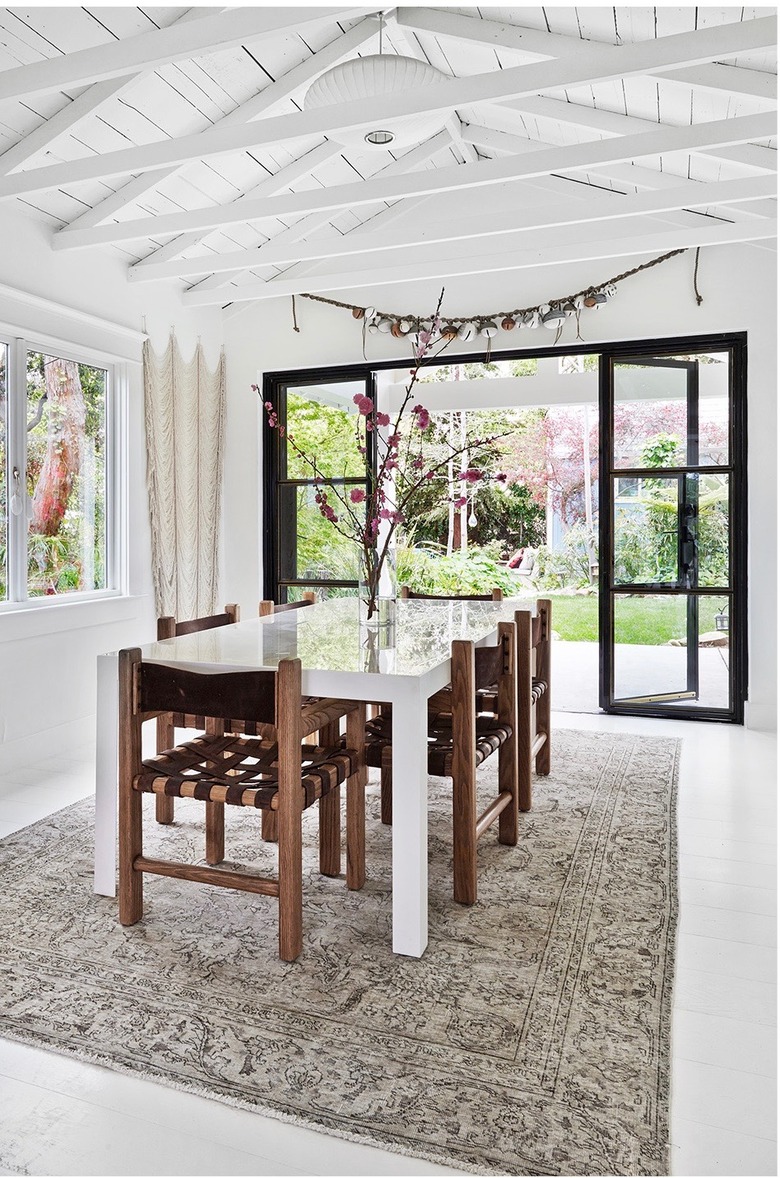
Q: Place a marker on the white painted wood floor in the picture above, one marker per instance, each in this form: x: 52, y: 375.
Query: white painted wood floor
x: 60, y: 1116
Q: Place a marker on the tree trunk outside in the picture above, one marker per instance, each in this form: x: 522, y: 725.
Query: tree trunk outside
x: 66, y: 421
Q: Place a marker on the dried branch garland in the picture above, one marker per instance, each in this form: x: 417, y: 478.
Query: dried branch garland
x: 466, y: 327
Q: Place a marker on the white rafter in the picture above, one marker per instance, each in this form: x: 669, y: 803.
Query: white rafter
x: 268, y: 100
x: 496, y: 86
x: 147, y: 51
x: 550, y: 248
x: 538, y: 45
x: 307, y: 225
x: 80, y: 108
x: 543, y: 162
x: 606, y: 206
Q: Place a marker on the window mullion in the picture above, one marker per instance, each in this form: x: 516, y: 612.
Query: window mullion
x: 17, y: 461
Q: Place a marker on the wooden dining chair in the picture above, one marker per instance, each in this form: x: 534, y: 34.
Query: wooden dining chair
x: 168, y: 627
x: 279, y: 773
x: 460, y: 741
x: 269, y: 821
x: 534, y: 696
x: 441, y: 702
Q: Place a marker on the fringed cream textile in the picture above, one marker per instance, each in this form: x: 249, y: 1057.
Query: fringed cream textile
x: 184, y: 409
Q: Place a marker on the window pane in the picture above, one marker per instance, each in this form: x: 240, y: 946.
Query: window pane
x: 322, y: 419
x: 651, y: 650
x: 651, y: 414
x: 709, y: 496
x: 309, y: 546
x: 3, y: 473
x: 646, y: 531
x: 323, y: 592
x: 66, y: 475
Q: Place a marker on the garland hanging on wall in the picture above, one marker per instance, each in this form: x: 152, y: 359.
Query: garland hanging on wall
x: 552, y: 315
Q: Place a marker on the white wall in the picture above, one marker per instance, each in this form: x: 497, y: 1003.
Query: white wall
x: 738, y: 284
x: 47, y: 655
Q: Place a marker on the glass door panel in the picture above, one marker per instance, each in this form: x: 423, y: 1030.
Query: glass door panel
x: 667, y: 535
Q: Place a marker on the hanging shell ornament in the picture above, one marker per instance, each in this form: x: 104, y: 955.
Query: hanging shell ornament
x: 535, y: 319
x: 554, y: 318
x: 601, y: 298
x: 358, y: 312
x: 385, y: 325
x: 569, y: 308
x: 449, y: 331
x: 590, y: 299
x: 544, y: 309
x: 373, y: 328
x: 507, y: 323
x: 466, y: 332
x: 396, y: 330
x: 488, y: 328
x: 369, y: 312
x: 404, y: 326
x: 610, y: 290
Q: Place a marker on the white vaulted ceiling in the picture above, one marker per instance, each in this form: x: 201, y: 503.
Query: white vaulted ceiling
x: 178, y: 137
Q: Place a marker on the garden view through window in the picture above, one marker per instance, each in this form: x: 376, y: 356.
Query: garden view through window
x: 54, y: 486
x: 670, y: 490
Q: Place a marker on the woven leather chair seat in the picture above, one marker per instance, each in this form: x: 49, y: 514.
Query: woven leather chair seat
x: 490, y: 736
x: 241, y: 771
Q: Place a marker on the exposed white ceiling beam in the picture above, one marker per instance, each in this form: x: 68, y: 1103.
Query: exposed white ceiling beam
x: 148, y: 51
x: 606, y: 206
x: 495, y: 86
x: 537, y: 45
x: 539, y: 163
x: 280, y: 180
x: 80, y: 108
x: 307, y: 225
x: 268, y: 100
x: 608, y: 122
x: 551, y: 248
x: 626, y: 174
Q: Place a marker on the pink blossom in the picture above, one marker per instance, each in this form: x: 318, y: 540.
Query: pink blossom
x: 394, y: 441
x: 472, y: 475
x: 365, y: 404
x: 461, y: 501
x: 383, y: 419
x: 422, y: 415
x: 369, y: 426
x: 501, y: 477
x: 417, y: 463
x: 357, y: 495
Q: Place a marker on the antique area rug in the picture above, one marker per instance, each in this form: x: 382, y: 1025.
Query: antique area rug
x: 531, y: 1038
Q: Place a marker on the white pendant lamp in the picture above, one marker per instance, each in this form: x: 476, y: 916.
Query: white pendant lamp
x: 375, y: 76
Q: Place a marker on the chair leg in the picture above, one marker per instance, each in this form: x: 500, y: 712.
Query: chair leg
x: 290, y: 886
x: 330, y: 833
x: 215, y: 832
x: 508, y: 781
x: 163, y: 805
x: 464, y: 832
x: 544, y: 756
x: 524, y: 708
x: 269, y: 828
x: 387, y: 787
x: 356, y: 801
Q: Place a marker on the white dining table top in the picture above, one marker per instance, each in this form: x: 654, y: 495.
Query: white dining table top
x: 329, y: 636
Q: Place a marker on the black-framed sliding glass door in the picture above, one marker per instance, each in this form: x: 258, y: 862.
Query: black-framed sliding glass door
x: 302, y: 551
x: 672, y: 516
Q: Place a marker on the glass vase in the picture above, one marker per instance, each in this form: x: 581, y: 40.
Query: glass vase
x: 378, y: 592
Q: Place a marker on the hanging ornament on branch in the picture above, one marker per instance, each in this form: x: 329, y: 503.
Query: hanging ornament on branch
x: 478, y: 328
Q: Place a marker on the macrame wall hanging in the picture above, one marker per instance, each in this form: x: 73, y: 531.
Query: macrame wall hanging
x: 184, y: 410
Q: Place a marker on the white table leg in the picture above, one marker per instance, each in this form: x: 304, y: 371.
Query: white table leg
x: 106, y: 773
x: 410, y: 824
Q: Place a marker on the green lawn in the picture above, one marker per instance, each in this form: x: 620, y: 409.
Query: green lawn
x: 646, y: 621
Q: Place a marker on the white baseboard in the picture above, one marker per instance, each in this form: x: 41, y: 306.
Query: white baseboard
x: 761, y: 717
x: 47, y: 743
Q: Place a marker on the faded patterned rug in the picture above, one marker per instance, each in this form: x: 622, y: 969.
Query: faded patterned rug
x: 531, y: 1038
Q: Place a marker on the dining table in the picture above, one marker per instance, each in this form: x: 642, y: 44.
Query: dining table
x: 401, y: 664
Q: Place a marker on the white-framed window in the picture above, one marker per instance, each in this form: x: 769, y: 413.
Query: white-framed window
x: 61, y: 534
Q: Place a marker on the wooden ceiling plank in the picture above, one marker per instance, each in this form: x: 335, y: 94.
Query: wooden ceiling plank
x: 606, y: 206
x: 416, y: 158
x: 496, y: 86
x: 543, y: 162
x: 537, y: 46
x: 548, y: 250
x: 269, y: 187
x: 174, y: 43
x: 269, y: 99
x: 84, y: 105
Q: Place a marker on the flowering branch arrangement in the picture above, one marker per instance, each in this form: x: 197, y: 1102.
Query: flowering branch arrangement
x: 370, y: 517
